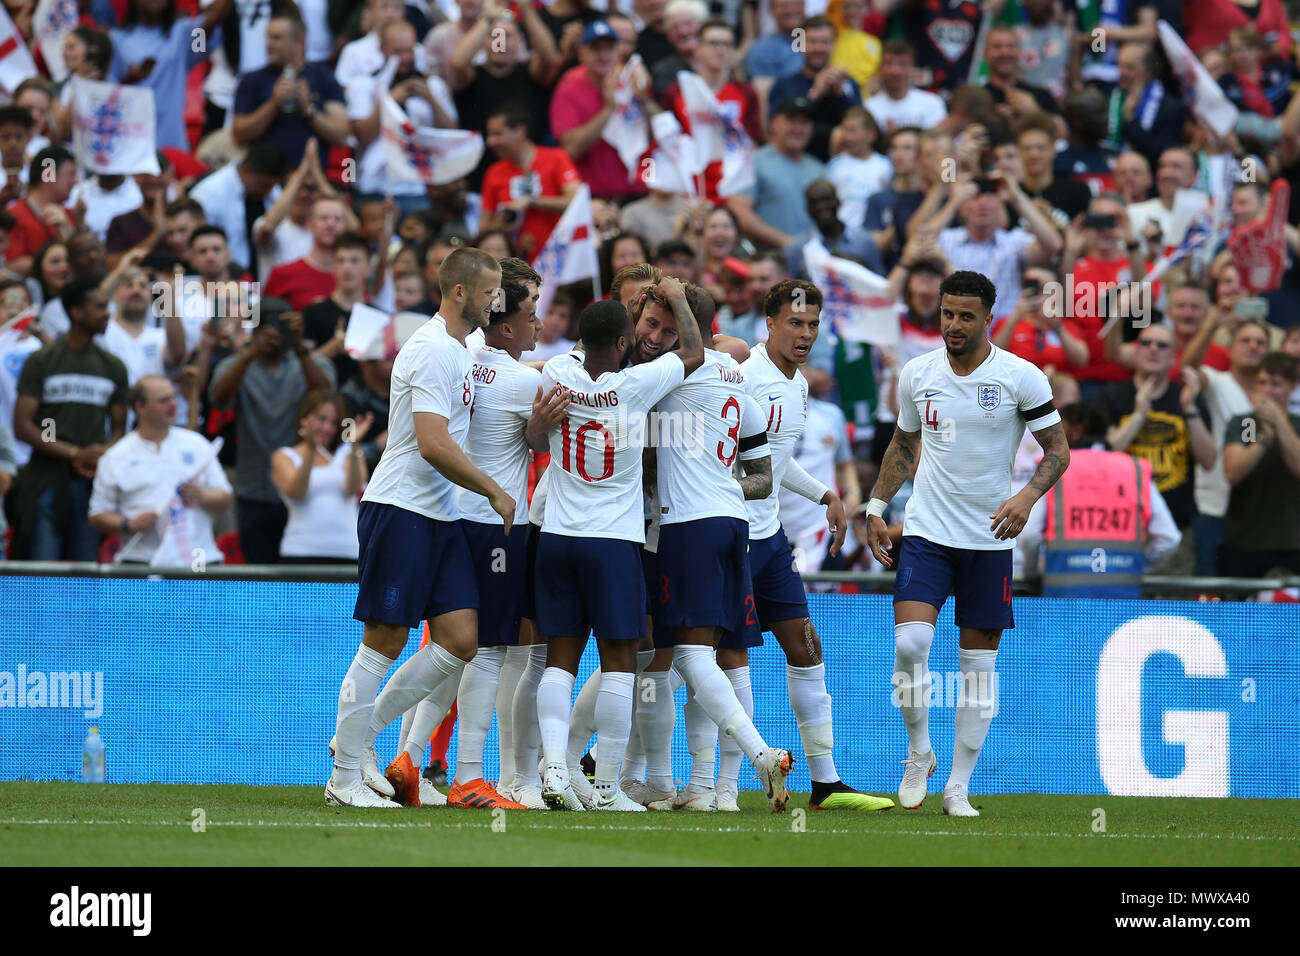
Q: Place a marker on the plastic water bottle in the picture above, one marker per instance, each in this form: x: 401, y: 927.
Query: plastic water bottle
x: 291, y: 104
x: 92, y: 758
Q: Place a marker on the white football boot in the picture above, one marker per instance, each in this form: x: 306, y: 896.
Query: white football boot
x: 431, y: 796
x: 357, y: 795
x: 920, y: 768
x: 616, y: 799
x: 372, y: 776
x: 727, y: 801
x: 956, y: 801
x: 557, y: 790
x: 773, y: 767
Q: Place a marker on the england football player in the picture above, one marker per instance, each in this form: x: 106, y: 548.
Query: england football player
x: 704, y: 425
x: 589, y: 575
x: 414, y: 560
x: 772, y: 376
x: 962, y: 412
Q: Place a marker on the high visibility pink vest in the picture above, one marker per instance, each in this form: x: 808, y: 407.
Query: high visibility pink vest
x: 1098, y: 517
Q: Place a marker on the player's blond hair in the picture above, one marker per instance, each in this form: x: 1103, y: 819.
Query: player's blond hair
x: 465, y: 266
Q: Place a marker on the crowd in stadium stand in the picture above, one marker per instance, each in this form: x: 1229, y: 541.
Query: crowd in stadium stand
x: 1055, y: 149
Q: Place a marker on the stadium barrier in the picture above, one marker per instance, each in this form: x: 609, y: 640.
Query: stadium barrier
x: 230, y: 676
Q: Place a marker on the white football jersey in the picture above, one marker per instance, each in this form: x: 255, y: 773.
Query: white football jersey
x: 430, y: 374
x: 783, y: 403
x: 537, y: 507
x: 504, y: 390
x: 823, y: 446
x: 971, y: 426
x: 699, y: 429
x: 595, y: 484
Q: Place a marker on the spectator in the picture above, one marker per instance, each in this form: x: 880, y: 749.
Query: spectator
x: 676, y: 258
x: 529, y: 186
x: 715, y: 244
x: 857, y: 171
x: 1290, y: 347
x: 1013, y: 96
x: 652, y: 41
x: 899, y: 103
x: 234, y: 198
x: 733, y: 280
x: 619, y: 250
x: 1175, y: 204
x: 1152, y: 119
x: 364, y: 57
x: 325, y: 322
x: 772, y: 211
x: 157, y: 456
x: 180, y: 219
x: 215, y: 294
x: 139, y: 226
x: 367, y: 394
x: 1089, y: 155
x: 14, y: 349
x: 1261, y: 461
x: 889, y: 210
x: 1133, y: 179
x: 776, y: 55
x: 319, y: 479
x: 828, y: 89
x: 553, y: 330
x: 981, y: 244
x: 281, y: 234
x: 154, y: 48
x: 143, y: 349
x: 1187, y: 309
x: 1215, y: 20
x: 16, y: 126
x: 944, y: 40
x: 823, y: 205
x: 104, y: 198
x: 654, y: 216
x: 765, y: 270
x: 71, y: 407
x: 289, y: 101
x: 1165, y: 423
x: 857, y: 52
x: 714, y: 62
x: 1037, y: 330
x: 496, y: 243
x: 52, y: 270
x: 1256, y: 85
x: 311, y: 278
x: 87, y: 53
x: 682, y: 21
x: 1036, y: 143
x: 86, y: 254
x: 1112, y: 26
x: 567, y: 21
x: 35, y: 95
x: 1044, y: 47
x: 1227, y: 396
x: 40, y: 216
x: 264, y: 382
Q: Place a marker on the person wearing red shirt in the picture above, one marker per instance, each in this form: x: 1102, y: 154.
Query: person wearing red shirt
x: 1187, y: 309
x: 311, y: 278
x: 40, y: 215
x: 1036, y: 330
x: 1208, y: 23
x: 583, y: 103
x: 714, y: 60
x: 526, y: 190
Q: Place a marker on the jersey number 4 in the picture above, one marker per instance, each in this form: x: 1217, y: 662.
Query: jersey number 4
x: 569, y: 454
x: 931, y: 417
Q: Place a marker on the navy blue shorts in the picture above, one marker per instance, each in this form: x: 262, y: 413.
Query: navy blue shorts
x: 745, y: 631
x: 500, y: 566
x: 411, y: 568
x: 650, y: 571
x: 528, y: 603
x: 589, y: 585
x: 702, y: 572
x: 981, y: 580
x: 777, y: 588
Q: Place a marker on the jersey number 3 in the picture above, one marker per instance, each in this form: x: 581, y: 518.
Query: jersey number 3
x: 733, y: 433
x: 568, y: 454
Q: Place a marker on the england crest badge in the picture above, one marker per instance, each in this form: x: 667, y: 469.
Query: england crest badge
x: 988, y: 396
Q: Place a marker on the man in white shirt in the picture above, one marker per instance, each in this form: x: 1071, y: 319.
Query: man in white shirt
x: 158, y: 487
x: 236, y: 189
x: 1175, y: 206
x: 965, y: 407
x: 589, y: 573
x: 899, y: 103
x: 414, y: 560
x: 365, y: 56
x: 143, y: 349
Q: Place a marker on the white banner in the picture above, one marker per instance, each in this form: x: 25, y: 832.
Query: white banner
x: 51, y: 24
x: 423, y: 154
x: 570, y: 252
x: 856, y: 301
x: 113, y: 128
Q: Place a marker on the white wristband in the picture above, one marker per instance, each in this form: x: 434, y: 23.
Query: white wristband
x: 876, y: 508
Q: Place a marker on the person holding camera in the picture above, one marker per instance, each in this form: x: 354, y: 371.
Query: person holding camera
x: 264, y: 382
x: 1037, y: 331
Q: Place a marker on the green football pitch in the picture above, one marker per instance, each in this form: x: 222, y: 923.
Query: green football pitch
x: 74, y: 824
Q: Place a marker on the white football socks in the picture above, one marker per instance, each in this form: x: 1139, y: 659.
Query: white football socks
x: 975, y: 710
x: 516, y: 659
x: 729, y: 753
x: 431, y: 668
x: 613, y: 725
x: 702, y: 741
x: 655, y: 715
x: 812, y: 709
x: 428, y: 714
x: 634, y: 760
x: 717, y: 696
x: 582, y: 721
x: 912, y: 641
x: 554, y: 693
x: 356, y: 704
x: 527, y: 737
x: 475, y: 702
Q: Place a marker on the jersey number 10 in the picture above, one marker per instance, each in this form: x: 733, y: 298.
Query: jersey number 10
x: 567, y: 455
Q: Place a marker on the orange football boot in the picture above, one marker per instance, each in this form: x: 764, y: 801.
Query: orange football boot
x: 405, y: 778
x: 479, y: 795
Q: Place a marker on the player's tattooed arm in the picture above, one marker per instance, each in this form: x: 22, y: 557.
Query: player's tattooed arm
x: 757, y: 482
x: 690, y: 343
x: 898, y: 465
x: 1056, y: 458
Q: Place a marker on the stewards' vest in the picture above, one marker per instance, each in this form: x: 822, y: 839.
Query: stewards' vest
x: 1097, y: 520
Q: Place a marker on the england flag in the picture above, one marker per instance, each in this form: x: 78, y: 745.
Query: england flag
x: 1200, y: 91
x: 625, y: 130
x: 16, y: 63
x: 672, y: 166
x: 113, y: 128
x: 53, y: 21
x: 570, y: 253
x: 718, y: 135
x: 856, y: 302
x: 424, y: 154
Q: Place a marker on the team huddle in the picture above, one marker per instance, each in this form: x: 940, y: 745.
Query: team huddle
x: 655, y: 529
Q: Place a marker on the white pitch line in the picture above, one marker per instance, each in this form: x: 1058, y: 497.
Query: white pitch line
x: 363, y: 825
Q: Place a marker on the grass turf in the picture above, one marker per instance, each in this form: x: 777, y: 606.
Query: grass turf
x: 67, y: 824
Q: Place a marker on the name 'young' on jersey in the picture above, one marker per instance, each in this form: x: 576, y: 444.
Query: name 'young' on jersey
x: 595, y: 484
x: 970, y: 429
x: 431, y: 374
x: 504, y: 390
x: 700, y: 428
x: 783, y: 402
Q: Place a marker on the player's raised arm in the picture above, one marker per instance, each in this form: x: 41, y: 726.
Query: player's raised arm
x: 898, y: 465
x: 690, y: 347
x: 440, y: 451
